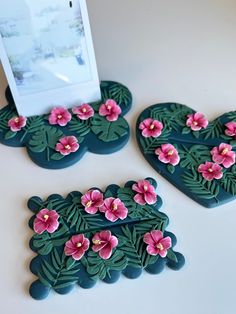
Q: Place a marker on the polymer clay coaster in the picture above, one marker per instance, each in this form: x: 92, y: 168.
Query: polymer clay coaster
x: 61, y: 138
x: 195, y: 155
x: 99, y: 235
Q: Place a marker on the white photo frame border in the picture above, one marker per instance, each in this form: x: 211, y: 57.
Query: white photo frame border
x: 67, y: 96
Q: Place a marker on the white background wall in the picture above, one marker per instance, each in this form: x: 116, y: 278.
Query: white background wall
x: 163, y: 50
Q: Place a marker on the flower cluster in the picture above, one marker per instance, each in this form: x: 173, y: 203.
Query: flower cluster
x: 103, y: 243
x: 166, y: 153
x: 113, y: 208
x: 222, y: 155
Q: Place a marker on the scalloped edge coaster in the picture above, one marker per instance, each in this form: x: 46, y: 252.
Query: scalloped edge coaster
x: 195, y: 155
x: 96, y: 134
x: 99, y: 235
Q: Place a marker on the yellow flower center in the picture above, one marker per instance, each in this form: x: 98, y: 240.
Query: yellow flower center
x: 109, y: 107
x: 84, y: 110
x: 152, y: 126
x: 115, y: 207
x: 96, y: 242
x: 45, y: 217
x: 160, y: 247
x: 67, y: 147
x: 16, y: 120
x: 145, y: 188
x: 79, y: 244
x: 170, y: 152
x: 210, y: 170
x: 59, y: 116
x: 224, y: 151
x: 195, y: 123
x: 89, y: 204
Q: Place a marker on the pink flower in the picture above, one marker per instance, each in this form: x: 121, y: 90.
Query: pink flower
x: 114, y: 209
x: 46, y: 220
x: 59, y: 115
x: 110, y: 110
x: 146, y: 193
x: 223, y: 155
x: 157, y: 244
x: 67, y: 145
x: 151, y: 127
x: 92, y: 200
x: 210, y: 171
x: 197, y: 121
x: 17, y: 123
x: 168, y: 154
x: 104, y: 243
x: 231, y: 129
x: 83, y: 112
x: 76, y: 246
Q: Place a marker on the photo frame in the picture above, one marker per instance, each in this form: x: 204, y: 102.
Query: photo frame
x: 47, y: 53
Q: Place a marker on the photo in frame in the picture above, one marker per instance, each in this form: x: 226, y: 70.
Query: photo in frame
x: 47, y: 53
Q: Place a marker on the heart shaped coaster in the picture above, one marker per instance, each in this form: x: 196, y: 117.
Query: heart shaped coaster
x: 99, y: 235
x: 60, y: 139
x: 196, y: 156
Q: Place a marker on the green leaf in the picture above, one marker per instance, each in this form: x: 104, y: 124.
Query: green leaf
x: 57, y: 156
x: 34, y: 124
x: 193, y: 156
x: 80, y: 127
x: 214, y: 129
x: 10, y: 135
x: 171, y: 256
x: 100, y: 268
x: 198, y: 185
x: 186, y: 130
x: 196, y: 134
x: 170, y: 168
x: 47, y: 137
x: 109, y: 131
x: 120, y: 94
x: 231, y: 115
x: 228, y: 182
x: 5, y: 115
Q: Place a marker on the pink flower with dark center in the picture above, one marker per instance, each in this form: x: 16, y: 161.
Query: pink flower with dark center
x: 114, y: 209
x: 223, y: 155
x: 59, y: 115
x: 83, y: 112
x: 168, y: 154
x: 157, y: 244
x: 92, y: 200
x: 145, y: 193
x: 110, y: 110
x: 151, y: 128
x: 67, y: 145
x: 46, y: 220
x: 231, y: 129
x: 210, y: 171
x: 197, y: 121
x: 104, y: 242
x: 17, y: 123
x: 76, y: 246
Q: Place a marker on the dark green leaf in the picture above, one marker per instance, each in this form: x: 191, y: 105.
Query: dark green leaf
x: 10, y: 135
x: 171, y: 256
x: 109, y: 131
x: 47, y: 137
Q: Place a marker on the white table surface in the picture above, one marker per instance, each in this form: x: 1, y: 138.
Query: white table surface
x: 175, y: 50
